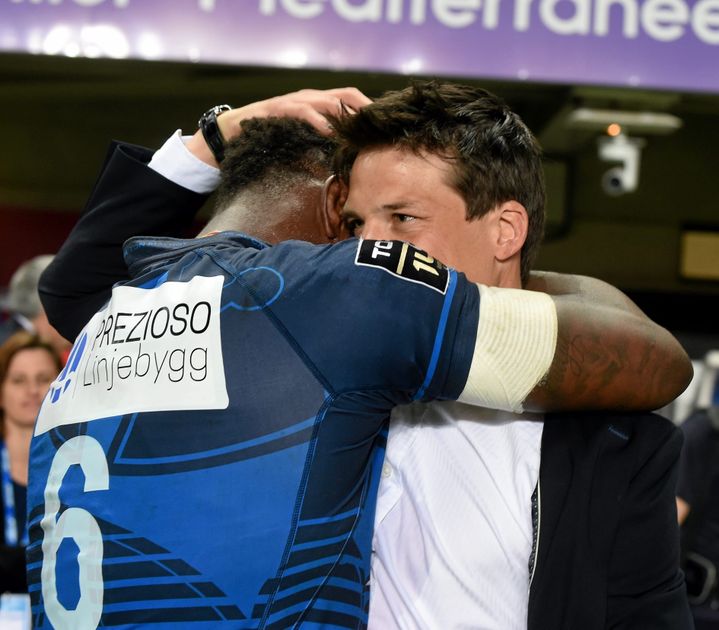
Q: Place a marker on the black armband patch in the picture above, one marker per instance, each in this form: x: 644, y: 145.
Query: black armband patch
x: 404, y: 261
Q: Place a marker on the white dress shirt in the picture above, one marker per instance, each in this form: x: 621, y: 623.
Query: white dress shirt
x: 453, y: 530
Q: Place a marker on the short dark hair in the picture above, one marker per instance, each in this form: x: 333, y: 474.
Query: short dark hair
x: 275, y: 152
x: 495, y: 156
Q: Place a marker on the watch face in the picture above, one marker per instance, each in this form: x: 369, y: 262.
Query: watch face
x: 213, y: 111
x: 218, y: 109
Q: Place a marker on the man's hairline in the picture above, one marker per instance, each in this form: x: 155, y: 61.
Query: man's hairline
x: 422, y: 152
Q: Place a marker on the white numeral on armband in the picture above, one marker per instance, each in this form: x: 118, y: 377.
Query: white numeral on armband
x: 80, y: 526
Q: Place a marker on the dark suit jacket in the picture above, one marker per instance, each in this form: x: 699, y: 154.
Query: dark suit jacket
x: 608, y: 551
x: 608, y: 537
x: 128, y: 199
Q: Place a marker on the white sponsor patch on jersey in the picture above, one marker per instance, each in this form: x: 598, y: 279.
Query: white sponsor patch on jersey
x: 148, y: 350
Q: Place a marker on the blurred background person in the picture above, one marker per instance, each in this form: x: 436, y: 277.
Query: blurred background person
x: 28, y: 365
x: 24, y: 311
x: 698, y: 499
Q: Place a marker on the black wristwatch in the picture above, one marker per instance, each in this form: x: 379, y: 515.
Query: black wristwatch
x: 211, y: 131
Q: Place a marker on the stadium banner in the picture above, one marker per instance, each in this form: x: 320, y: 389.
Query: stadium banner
x: 659, y: 44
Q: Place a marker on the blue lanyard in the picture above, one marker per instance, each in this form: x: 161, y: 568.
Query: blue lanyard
x: 11, y: 528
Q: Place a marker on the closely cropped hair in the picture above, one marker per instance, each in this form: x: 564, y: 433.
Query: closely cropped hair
x: 273, y: 152
x: 495, y: 156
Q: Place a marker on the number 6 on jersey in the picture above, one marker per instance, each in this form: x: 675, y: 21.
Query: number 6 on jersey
x: 80, y: 526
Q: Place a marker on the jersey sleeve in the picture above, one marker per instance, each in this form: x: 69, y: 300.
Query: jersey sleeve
x: 380, y: 316
x: 375, y: 315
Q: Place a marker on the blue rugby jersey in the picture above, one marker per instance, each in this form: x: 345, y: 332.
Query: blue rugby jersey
x: 209, y: 458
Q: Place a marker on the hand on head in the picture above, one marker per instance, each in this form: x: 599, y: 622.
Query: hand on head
x: 311, y: 106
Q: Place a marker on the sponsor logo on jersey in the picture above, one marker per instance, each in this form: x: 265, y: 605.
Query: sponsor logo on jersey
x: 404, y: 261
x: 155, y: 349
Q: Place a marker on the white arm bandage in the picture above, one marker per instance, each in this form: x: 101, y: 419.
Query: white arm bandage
x: 516, y: 339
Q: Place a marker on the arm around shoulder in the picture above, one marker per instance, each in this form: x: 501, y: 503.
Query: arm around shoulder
x: 609, y: 354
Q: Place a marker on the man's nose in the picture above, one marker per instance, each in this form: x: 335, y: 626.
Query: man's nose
x: 376, y: 231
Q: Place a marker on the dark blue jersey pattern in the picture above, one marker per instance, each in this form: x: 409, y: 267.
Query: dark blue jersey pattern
x: 210, y: 456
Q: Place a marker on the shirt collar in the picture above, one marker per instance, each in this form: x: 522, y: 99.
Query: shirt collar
x: 140, y: 252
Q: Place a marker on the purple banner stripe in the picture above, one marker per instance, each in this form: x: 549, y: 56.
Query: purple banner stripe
x: 666, y: 44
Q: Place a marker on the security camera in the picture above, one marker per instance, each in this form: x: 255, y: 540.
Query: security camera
x: 613, y: 182
x: 624, y: 178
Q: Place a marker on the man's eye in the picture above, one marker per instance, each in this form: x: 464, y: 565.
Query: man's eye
x: 404, y: 218
x: 352, y: 225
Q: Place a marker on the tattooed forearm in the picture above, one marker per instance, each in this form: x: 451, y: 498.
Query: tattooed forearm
x: 611, y: 361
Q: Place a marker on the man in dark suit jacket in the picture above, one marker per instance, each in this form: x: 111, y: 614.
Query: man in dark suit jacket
x: 607, y: 548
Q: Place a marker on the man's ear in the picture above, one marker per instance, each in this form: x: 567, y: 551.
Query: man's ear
x: 513, y: 223
x: 334, y: 196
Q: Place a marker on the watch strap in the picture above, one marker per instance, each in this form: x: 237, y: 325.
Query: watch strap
x: 211, y: 131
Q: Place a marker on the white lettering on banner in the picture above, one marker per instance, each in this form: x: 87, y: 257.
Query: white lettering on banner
x: 491, y: 14
x: 370, y: 11
x: 662, y: 20
x: 148, y: 350
x: 705, y: 21
x: 578, y: 24
x: 452, y: 13
x: 457, y: 13
x: 665, y: 19
x: 522, y: 15
x: 630, y: 24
